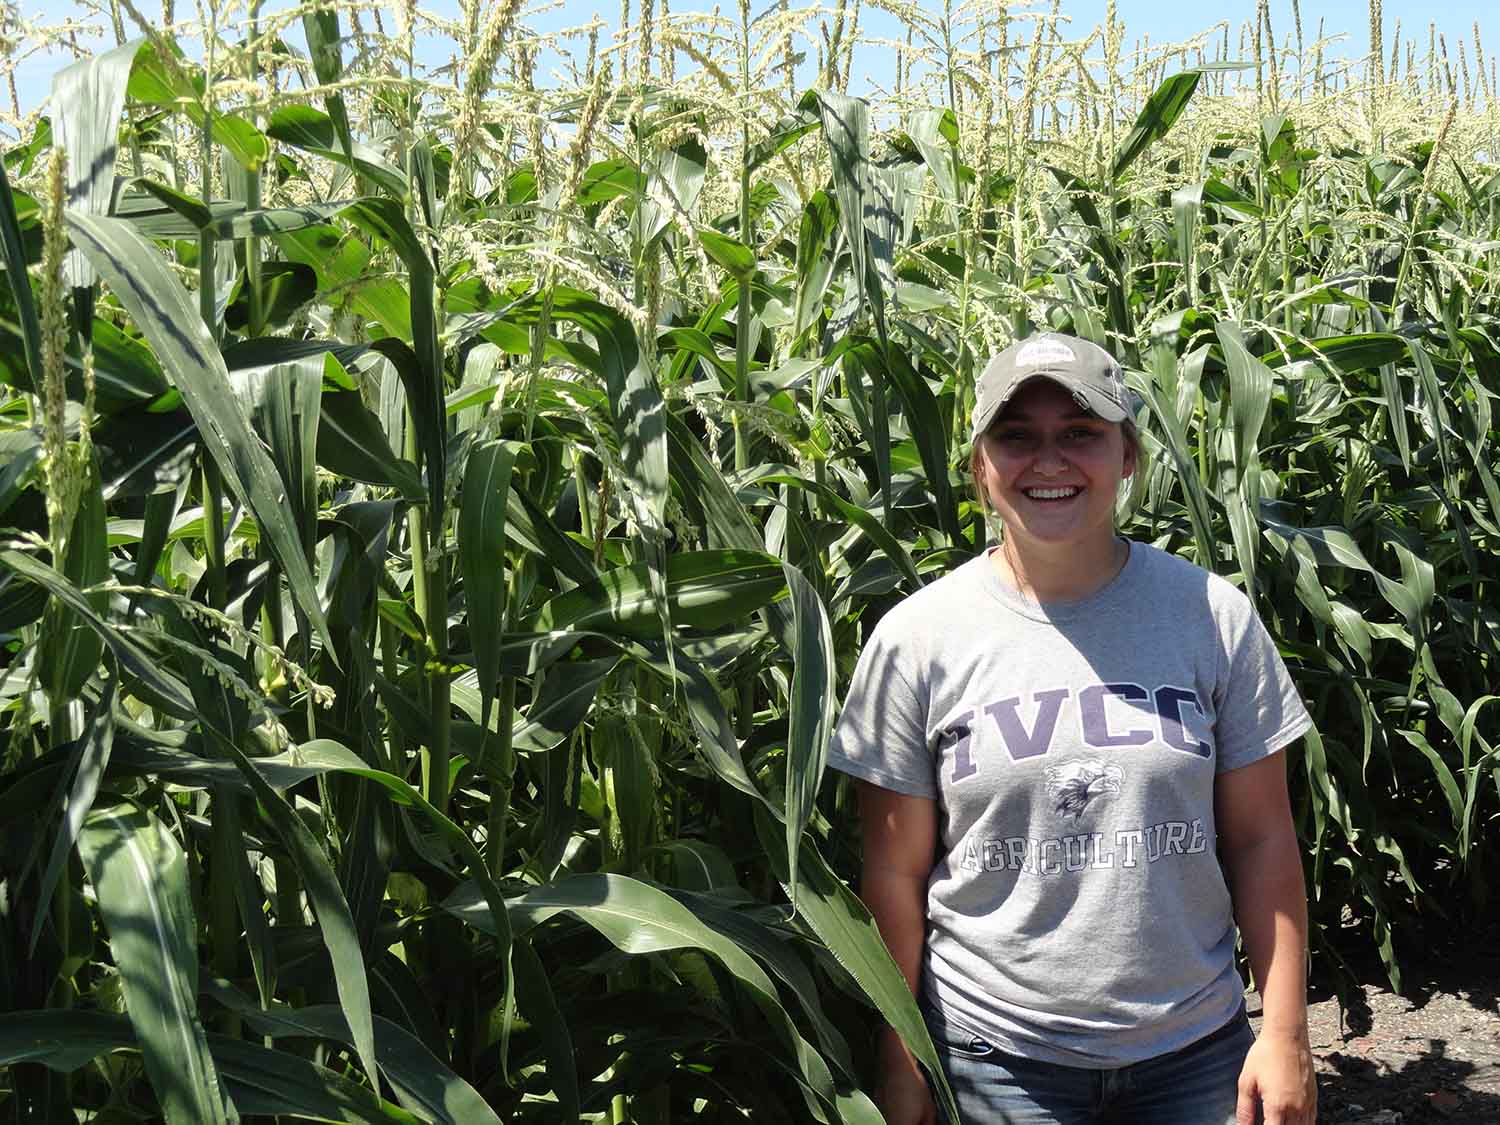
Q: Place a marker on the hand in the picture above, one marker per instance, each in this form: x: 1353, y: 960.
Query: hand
x: 901, y: 1091
x: 1277, y: 1079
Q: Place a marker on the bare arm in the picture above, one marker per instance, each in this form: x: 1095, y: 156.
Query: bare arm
x: 1258, y: 845
x: 900, y: 836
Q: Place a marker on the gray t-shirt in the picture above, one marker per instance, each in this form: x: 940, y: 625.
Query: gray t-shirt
x: 1077, y: 913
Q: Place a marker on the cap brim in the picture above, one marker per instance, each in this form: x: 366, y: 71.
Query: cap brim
x: 1088, y: 397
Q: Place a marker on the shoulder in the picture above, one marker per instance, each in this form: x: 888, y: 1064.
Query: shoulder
x: 939, y: 605
x: 1188, y: 592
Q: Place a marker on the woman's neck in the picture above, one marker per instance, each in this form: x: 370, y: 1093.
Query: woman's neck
x: 1066, y: 573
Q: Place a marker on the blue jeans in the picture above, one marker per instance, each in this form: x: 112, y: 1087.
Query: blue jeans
x: 1196, y: 1085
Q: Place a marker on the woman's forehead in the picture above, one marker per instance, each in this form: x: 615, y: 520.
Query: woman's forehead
x: 1042, y: 396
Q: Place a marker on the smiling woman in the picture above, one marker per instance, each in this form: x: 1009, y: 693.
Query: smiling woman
x: 1052, y: 742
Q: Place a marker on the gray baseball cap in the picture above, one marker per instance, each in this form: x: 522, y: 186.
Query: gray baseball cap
x: 1084, y: 368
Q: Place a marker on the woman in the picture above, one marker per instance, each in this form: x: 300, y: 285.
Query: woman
x: 1052, y: 744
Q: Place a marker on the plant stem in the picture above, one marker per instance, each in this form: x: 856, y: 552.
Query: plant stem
x: 430, y: 592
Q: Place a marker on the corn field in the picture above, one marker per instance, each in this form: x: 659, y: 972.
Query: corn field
x: 441, y: 505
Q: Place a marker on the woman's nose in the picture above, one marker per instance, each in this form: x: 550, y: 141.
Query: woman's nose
x: 1049, y: 459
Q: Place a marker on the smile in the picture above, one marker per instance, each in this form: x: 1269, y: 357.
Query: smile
x: 1052, y: 493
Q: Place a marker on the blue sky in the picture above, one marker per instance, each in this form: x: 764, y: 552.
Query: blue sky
x: 1161, y: 20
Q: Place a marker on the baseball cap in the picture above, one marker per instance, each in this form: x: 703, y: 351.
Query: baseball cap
x: 1085, y: 369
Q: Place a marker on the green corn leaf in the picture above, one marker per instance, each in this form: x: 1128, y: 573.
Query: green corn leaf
x: 284, y: 403
x: 846, y: 128
x: 424, y: 397
x: 935, y: 134
x: 865, y: 520
x: 335, y: 923
x: 1444, y: 775
x: 733, y: 255
x: 637, y: 918
x: 159, y: 687
x: 314, y: 131
x: 423, y: 1083
x: 533, y: 529
x: 87, y: 99
x: 781, y: 136
x: 1250, y: 383
x: 69, y: 648
x: 342, y: 262
x: 352, y: 444
x: 161, y: 309
x: 815, y: 259
x: 538, y: 1004
x: 705, y: 590
x: 772, y: 947
x: 259, y: 1080
x: 843, y: 924
x: 321, y: 26
x: 327, y: 755
x: 86, y: 764
x: 1162, y: 109
x: 716, y: 740
x: 139, y: 873
x: 481, y: 552
x: 812, y: 711
x: 13, y: 255
x: 20, y: 452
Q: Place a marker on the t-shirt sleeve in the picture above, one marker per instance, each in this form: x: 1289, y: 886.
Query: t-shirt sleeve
x: 881, y: 734
x: 1259, y: 710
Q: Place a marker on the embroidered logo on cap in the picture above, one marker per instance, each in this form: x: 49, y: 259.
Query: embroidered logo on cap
x: 1045, y: 351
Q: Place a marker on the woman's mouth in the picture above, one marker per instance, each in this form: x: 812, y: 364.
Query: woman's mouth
x: 1052, y: 495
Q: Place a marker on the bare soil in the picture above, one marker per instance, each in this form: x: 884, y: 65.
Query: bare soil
x: 1432, y: 1055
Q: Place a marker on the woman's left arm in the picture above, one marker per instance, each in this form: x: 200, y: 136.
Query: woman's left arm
x: 1258, y: 848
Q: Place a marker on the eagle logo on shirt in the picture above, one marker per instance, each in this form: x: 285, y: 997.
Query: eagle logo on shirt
x: 1076, y: 785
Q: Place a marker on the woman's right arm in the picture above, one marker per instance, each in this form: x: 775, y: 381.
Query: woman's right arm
x: 900, y: 837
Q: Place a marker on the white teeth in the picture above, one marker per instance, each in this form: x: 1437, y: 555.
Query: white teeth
x: 1051, y: 493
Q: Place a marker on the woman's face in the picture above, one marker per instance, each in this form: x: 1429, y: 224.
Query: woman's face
x: 1051, y: 469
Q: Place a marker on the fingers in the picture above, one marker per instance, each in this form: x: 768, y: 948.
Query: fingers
x: 1244, y: 1108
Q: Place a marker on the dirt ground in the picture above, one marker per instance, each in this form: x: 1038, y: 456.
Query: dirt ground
x: 1432, y: 1055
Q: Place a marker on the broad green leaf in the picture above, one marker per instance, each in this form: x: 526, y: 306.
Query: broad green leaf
x: 352, y: 444
x: 314, y: 131
x: 87, y: 99
x: 335, y: 923
x: 1162, y: 109
x: 13, y: 256
x: 139, y: 873
x: 69, y: 648
x: 161, y: 309
x: 537, y: 1003
x: 840, y: 920
x: 258, y: 1079
x: 781, y: 136
x: 20, y: 452
x: 481, y: 553
x: 846, y: 128
x: 161, y: 688
x: 733, y: 255
x: 812, y: 711
x: 705, y: 590
x: 637, y: 918
x: 1250, y: 383
x: 866, y: 521
x: 86, y: 764
x: 423, y: 1083
x: 321, y: 27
